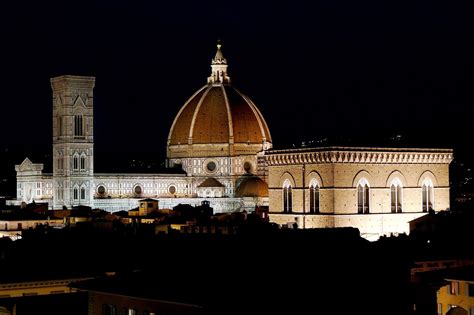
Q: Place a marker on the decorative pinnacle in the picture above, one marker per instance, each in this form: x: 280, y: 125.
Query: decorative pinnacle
x: 219, y: 57
x: 219, y: 68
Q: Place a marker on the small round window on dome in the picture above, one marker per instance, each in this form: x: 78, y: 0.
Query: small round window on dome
x: 101, y: 190
x: 248, y: 167
x: 172, y: 189
x: 211, y: 166
x: 138, y: 190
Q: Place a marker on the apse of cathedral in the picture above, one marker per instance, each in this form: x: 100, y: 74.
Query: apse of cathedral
x: 221, y: 141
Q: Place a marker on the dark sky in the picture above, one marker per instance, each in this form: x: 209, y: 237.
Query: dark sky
x: 314, y: 68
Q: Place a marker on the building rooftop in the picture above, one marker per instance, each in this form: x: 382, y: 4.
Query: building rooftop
x: 154, y: 285
x: 211, y: 182
x: 148, y: 199
x: 359, y: 149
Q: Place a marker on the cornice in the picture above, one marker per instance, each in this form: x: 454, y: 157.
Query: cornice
x: 359, y: 156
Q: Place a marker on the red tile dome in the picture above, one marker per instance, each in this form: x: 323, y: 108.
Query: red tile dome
x: 218, y: 120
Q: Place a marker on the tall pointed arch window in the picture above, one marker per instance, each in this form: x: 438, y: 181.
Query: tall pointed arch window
x: 75, y: 162
x: 427, y: 195
x: 287, y: 197
x: 78, y: 125
x: 83, y: 162
x: 396, y: 196
x: 60, y: 191
x: 363, y: 196
x: 60, y: 160
x: 76, y: 193
x: 314, y: 197
x: 60, y: 126
x: 83, y: 193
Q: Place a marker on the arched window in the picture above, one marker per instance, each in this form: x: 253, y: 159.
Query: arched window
x: 287, y: 198
x: 83, y: 163
x: 78, y: 125
x: 60, y: 126
x: 363, y: 196
x: 396, y: 196
x: 83, y: 193
x: 60, y: 160
x: 314, y: 197
x: 427, y: 195
x: 75, y: 163
x: 76, y: 193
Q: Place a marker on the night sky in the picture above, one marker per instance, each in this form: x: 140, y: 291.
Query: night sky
x: 316, y: 69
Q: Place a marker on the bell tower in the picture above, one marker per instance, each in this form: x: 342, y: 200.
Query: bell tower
x: 73, y: 141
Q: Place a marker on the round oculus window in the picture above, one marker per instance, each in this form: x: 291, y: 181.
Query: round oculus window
x: 138, y: 190
x: 211, y: 166
x: 101, y: 190
x: 172, y: 189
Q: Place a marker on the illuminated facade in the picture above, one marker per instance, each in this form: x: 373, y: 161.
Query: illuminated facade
x: 378, y: 190
x: 457, y: 294
x: 222, y: 142
x: 217, y: 137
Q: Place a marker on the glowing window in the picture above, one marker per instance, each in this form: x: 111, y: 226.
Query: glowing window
x: 396, y: 196
x: 314, y: 198
x: 287, y: 198
x: 363, y: 196
x: 427, y: 196
x: 453, y: 287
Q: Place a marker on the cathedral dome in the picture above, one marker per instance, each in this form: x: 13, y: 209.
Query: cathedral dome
x: 251, y: 186
x: 218, y: 120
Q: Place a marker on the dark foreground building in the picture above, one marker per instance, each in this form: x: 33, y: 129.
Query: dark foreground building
x: 290, y: 271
